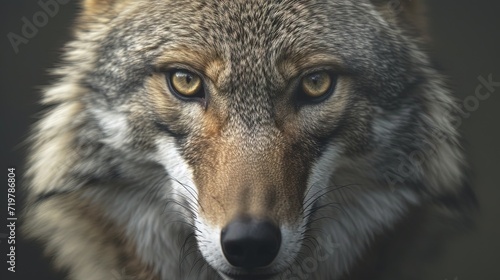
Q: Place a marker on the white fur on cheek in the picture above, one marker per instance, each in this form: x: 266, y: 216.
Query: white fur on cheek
x: 179, y: 171
x: 208, y: 237
x: 321, y: 174
x: 115, y: 125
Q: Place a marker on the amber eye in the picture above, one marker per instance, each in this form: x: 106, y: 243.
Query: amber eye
x: 185, y: 83
x: 317, y: 84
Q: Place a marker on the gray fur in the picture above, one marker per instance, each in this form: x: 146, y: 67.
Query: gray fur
x: 102, y: 146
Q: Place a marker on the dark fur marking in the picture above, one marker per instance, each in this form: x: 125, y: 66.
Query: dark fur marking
x: 48, y: 195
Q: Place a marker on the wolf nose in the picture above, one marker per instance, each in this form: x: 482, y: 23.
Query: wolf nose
x: 250, y: 243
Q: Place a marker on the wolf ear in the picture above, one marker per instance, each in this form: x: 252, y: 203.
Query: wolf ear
x: 408, y: 11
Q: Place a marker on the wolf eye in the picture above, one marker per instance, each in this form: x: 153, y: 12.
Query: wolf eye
x: 185, y: 83
x: 317, y: 85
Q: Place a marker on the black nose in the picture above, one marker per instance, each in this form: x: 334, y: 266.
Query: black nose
x: 250, y: 243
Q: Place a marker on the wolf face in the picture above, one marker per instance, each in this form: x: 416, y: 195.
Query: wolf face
x: 262, y: 126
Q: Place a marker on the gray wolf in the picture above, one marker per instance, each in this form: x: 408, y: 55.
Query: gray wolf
x: 245, y: 140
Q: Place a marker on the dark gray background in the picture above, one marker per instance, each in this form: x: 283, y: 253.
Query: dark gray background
x: 466, y: 42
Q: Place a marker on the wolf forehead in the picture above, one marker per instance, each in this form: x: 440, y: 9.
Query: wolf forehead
x: 249, y: 37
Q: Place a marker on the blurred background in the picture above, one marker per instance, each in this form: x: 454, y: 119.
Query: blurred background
x: 465, y: 42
